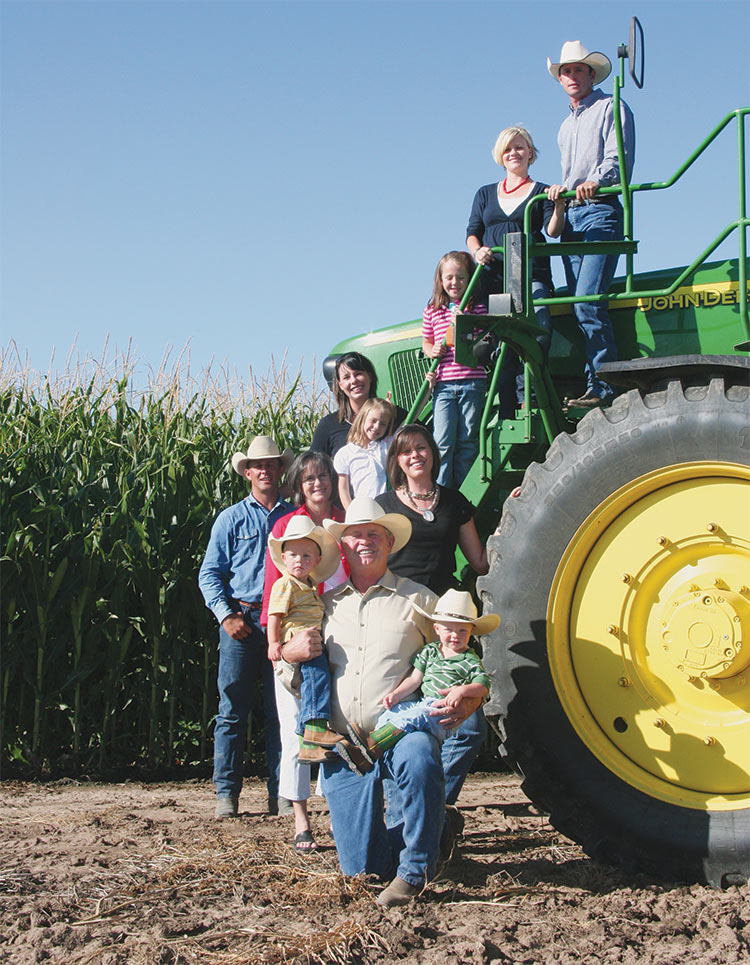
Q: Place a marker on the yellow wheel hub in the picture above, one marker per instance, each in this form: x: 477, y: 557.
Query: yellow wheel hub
x: 649, y: 634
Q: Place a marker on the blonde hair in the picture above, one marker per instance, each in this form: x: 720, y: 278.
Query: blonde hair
x: 357, y: 431
x: 505, y: 137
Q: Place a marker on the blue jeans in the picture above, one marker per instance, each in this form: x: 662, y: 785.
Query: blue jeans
x: 409, y: 847
x: 459, y: 752
x: 315, y: 691
x: 456, y: 413
x: 591, y: 275
x: 241, y: 664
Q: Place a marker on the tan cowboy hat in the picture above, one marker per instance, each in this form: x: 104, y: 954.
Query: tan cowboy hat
x: 573, y: 52
x: 366, y: 510
x: 262, y: 447
x: 457, y: 606
x: 302, y: 527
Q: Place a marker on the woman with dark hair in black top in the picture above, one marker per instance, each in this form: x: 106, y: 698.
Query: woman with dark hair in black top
x: 355, y: 382
x: 441, y: 519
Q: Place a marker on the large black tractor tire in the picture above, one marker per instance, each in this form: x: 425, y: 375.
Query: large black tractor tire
x: 621, y: 668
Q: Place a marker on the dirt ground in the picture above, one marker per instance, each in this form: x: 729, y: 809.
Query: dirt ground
x: 141, y: 873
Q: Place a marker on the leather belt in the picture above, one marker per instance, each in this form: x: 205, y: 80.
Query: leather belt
x: 250, y: 606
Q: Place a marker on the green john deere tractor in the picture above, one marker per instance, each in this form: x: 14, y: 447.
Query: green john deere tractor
x: 621, y: 569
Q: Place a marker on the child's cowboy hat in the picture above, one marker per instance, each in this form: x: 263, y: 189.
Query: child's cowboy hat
x: 364, y: 510
x: 302, y: 527
x: 573, y: 52
x: 457, y: 606
x: 262, y: 447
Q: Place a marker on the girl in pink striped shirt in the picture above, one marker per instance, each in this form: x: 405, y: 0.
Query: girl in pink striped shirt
x: 459, y: 391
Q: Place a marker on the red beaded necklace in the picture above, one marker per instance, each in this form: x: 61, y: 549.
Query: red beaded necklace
x: 519, y: 185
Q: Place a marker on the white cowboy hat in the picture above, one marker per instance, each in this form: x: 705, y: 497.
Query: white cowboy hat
x: 302, y: 527
x: 573, y: 52
x: 366, y: 510
x: 457, y: 606
x: 262, y: 447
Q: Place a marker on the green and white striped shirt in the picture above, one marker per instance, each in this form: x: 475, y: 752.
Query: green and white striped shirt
x: 441, y: 672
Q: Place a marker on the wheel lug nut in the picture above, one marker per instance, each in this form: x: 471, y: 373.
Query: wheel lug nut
x: 660, y: 722
x: 623, y: 682
x: 662, y: 540
x: 612, y: 629
x: 626, y: 578
x: 711, y: 527
x: 709, y: 741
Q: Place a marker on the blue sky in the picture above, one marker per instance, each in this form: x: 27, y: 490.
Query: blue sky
x: 256, y: 179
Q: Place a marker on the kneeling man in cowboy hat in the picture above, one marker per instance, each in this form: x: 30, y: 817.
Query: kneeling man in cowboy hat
x: 231, y: 581
x: 374, y: 625
x: 590, y: 160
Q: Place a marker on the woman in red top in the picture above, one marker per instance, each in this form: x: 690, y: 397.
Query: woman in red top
x: 312, y: 484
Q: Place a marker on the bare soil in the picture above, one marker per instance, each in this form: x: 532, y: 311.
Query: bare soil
x: 141, y: 873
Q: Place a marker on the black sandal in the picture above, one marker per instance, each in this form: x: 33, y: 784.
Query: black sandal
x: 304, y: 842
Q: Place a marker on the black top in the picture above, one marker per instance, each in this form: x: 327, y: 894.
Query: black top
x: 430, y: 555
x: 330, y: 434
x: 491, y: 224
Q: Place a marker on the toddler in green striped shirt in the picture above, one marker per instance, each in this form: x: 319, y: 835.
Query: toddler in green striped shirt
x: 446, y: 671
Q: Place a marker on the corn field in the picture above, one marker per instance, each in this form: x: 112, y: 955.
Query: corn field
x: 107, y: 499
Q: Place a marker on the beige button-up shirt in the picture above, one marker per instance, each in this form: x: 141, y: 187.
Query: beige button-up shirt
x: 371, y: 638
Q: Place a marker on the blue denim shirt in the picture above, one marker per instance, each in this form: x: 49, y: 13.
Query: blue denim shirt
x: 234, y: 564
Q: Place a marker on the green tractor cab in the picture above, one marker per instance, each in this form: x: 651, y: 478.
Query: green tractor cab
x: 621, y: 566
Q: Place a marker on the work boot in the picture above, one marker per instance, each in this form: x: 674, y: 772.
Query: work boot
x: 353, y: 756
x: 226, y: 806
x: 323, y: 738
x: 313, y: 754
x: 398, y: 892
x: 364, y: 742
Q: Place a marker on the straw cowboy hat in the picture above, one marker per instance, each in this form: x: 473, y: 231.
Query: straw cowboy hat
x: 262, y: 447
x: 365, y: 510
x: 302, y: 527
x: 573, y: 52
x: 457, y: 606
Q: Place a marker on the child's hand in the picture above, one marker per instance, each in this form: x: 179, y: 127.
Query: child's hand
x: 388, y: 701
x: 453, y: 697
x: 274, y: 652
x: 431, y: 378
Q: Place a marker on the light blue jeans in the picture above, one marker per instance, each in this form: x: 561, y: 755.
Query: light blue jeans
x: 591, y: 275
x: 242, y: 663
x: 409, y: 847
x: 456, y: 412
x: 412, y: 715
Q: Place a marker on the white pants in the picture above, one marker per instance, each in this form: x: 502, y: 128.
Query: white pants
x: 294, y: 778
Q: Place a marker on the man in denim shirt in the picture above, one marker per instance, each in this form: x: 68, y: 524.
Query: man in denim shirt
x: 231, y: 581
x: 588, y: 146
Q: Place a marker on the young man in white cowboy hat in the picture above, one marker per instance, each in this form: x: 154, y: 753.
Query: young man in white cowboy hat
x: 231, y: 581
x: 590, y: 161
x: 372, y: 631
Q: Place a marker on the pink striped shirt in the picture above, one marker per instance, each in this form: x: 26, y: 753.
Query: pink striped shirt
x: 435, y: 322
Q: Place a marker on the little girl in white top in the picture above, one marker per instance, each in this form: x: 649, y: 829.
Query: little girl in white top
x: 361, y: 463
